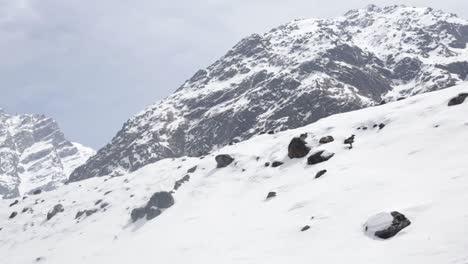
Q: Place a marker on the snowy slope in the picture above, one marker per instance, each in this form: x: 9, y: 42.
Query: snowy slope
x: 34, y: 154
x: 416, y: 165
x: 292, y: 76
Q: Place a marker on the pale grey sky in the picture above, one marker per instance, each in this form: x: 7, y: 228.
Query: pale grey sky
x: 93, y: 64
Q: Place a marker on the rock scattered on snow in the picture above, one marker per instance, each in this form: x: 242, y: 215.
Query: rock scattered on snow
x: 223, y: 160
x: 298, y: 148
x: 271, y: 195
x: 192, y: 170
x: 58, y: 208
x: 179, y: 183
x: 327, y: 139
x: 159, y: 200
x: 319, y: 156
x: 13, y: 214
x: 320, y: 174
x: 305, y: 228
x: 350, y: 141
x: 381, y: 125
x: 386, y: 225
x: 458, y: 99
x: 14, y: 203
x: 276, y: 164
x: 87, y: 212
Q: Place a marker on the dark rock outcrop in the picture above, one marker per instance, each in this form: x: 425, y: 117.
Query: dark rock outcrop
x: 305, y: 228
x: 87, y: 213
x: 459, y: 99
x: 14, y: 203
x: 223, y: 160
x: 58, y: 208
x: 350, y: 141
x: 298, y: 148
x: 192, y: 170
x: 319, y: 156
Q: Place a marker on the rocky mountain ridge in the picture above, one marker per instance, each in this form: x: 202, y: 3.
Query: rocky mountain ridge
x: 291, y: 76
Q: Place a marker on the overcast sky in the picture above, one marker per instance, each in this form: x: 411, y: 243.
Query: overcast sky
x: 93, y: 64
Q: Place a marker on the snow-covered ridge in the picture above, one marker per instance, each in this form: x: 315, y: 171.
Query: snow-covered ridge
x: 408, y: 156
x: 291, y: 76
x: 34, y: 154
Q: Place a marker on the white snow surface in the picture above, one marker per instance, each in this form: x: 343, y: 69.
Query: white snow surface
x: 415, y: 165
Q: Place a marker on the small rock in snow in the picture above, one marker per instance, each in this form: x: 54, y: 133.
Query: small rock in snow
x: 271, y: 195
x: 192, y: 170
x: 320, y: 174
x: 58, y: 208
x: 305, y: 228
x: 14, y: 203
x: 13, y: 214
x: 276, y: 164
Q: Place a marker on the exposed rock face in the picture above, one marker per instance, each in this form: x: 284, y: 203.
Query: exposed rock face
x: 34, y: 154
x: 386, y: 225
x: 223, y: 161
x: 290, y: 76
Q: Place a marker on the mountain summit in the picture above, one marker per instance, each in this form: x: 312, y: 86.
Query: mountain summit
x: 34, y: 154
x: 291, y: 76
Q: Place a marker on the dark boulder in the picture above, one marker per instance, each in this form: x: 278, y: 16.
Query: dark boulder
x: 267, y: 164
x: 319, y: 156
x: 271, y: 195
x: 161, y: 200
x: 152, y: 213
x: 36, y: 192
x: 87, y: 213
x: 137, y: 213
x: 320, y: 174
x: 192, y: 170
x: 14, y: 203
x: 305, y: 228
x: 58, y: 208
x: 179, y: 183
x: 386, y: 225
x: 327, y: 139
x: 381, y: 125
x: 223, y: 160
x: 276, y: 164
x: 13, y: 215
x: 458, y: 99
x: 298, y: 148
x: 349, y: 141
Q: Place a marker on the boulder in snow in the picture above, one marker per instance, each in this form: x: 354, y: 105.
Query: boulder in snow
x: 327, y: 139
x: 298, y: 148
x: 58, y: 208
x: 276, y: 164
x: 223, y: 160
x: 320, y: 174
x: 271, y: 195
x: 319, y: 156
x: 386, y: 225
x: 458, y: 99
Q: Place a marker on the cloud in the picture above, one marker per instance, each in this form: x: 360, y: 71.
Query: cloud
x: 93, y: 64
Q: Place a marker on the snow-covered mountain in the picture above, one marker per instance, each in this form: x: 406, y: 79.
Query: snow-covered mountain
x: 34, y: 154
x: 408, y: 160
x: 292, y: 76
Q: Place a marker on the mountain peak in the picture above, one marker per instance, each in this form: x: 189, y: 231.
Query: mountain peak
x: 294, y: 75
